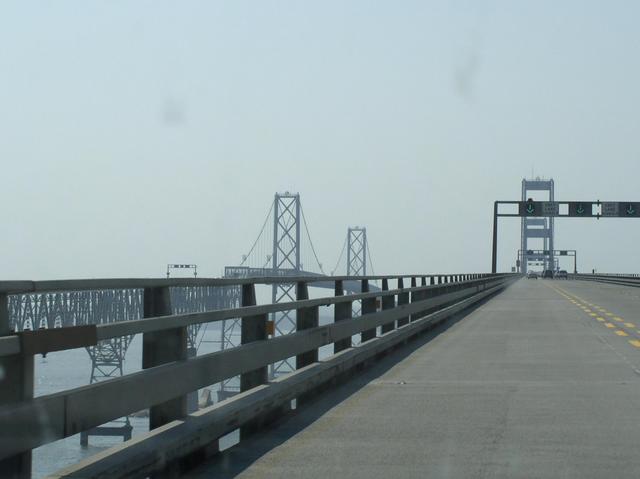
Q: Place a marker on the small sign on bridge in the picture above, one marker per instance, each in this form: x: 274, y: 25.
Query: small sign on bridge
x: 194, y: 267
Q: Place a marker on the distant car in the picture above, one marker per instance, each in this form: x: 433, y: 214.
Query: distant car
x: 562, y: 274
x: 547, y: 273
x: 532, y: 275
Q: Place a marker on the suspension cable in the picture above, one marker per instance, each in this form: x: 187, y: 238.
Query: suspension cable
x: 306, y: 227
x: 259, y: 235
x: 344, y: 245
x: 370, y: 262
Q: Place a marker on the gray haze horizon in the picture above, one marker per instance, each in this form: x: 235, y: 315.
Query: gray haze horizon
x: 136, y: 134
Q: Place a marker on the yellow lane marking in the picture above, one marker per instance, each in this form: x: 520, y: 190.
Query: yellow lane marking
x: 600, y: 319
x: 609, y: 325
x: 608, y: 314
x: 630, y: 325
x: 619, y: 320
x: 635, y: 342
x: 593, y: 315
x: 621, y: 333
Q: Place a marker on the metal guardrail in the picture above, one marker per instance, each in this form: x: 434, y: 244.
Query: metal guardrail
x: 168, y: 375
x: 620, y: 279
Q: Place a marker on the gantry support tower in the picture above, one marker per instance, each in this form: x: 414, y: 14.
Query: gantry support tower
x: 537, y: 228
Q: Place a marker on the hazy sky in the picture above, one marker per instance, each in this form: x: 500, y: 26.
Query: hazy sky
x: 136, y: 133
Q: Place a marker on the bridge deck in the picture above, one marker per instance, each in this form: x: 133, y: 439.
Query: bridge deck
x: 528, y: 385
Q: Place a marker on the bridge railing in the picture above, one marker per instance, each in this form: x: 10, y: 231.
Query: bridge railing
x: 611, y: 278
x: 168, y: 375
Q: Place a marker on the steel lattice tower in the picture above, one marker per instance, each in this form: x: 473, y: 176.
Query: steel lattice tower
x: 356, y: 259
x: 357, y: 251
x: 537, y: 228
x: 285, y: 261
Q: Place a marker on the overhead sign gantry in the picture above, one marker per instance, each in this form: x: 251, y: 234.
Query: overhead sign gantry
x: 561, y: 209
x: 576, y: 209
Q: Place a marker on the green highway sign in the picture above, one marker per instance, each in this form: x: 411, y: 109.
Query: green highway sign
x: 581, y: 208
x: 531, y: 208
x: 628, y: 210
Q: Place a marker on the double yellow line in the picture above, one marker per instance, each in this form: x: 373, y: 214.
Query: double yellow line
x: 607, y: 318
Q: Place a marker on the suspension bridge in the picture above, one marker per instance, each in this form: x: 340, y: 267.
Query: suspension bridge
x: 282, y: 248
x: 413, y: 375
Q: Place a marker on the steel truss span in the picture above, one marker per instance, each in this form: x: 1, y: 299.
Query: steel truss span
x: 29, y: 312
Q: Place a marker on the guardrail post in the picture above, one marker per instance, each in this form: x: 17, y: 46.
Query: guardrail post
x: 403, y: 298
x: 16, y: 385
x: 413, y: 298
x: 160, y: 347
x: 253, y: 328
x: 341, y: 312
x: 368, y: 307
x: 388, y: 302
x: 423, y: 294
x: 306, y: 318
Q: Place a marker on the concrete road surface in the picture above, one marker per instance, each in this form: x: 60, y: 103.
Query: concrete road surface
x: 538, y: 382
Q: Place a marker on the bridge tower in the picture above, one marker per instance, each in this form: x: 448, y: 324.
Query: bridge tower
x: 285, y: 261
x: 356, y: 259
x: 537, y: 228
x: 357, y: 251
